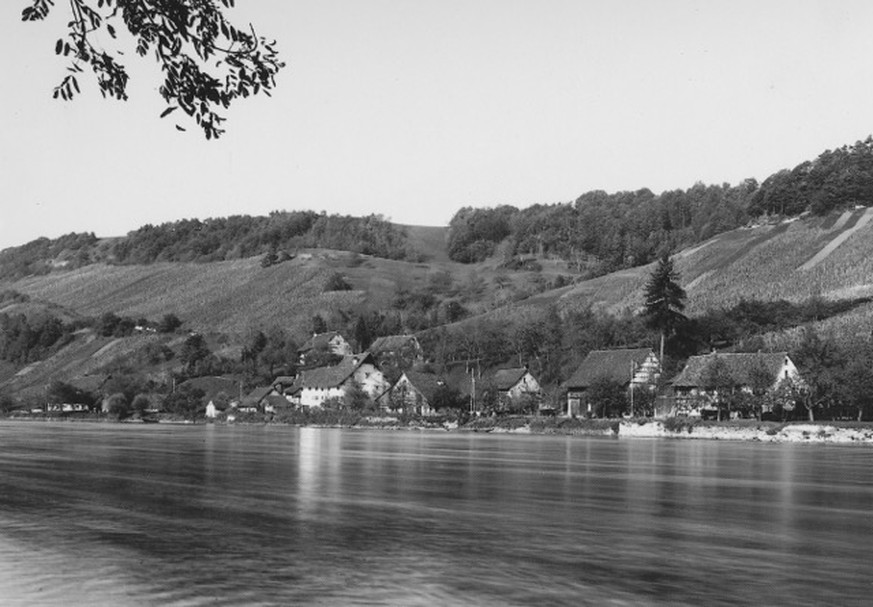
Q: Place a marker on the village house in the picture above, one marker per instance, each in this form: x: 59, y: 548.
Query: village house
x: 254, y: 400
x: 323, y: 343
x: 512, y: 386
x: 748, y: 372
x: 414, y: 392
x: 315, y: 386
x: 400, y: 351
x: 636, y: 369
x: 265, y: 399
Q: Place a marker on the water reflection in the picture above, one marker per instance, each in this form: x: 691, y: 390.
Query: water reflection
x: 264, y: 515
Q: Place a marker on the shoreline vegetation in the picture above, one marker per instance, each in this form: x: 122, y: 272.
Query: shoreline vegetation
x: 824, y: 432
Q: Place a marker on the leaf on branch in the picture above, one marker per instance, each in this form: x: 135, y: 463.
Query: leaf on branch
x: 169, y: 111
x: 180, y: 128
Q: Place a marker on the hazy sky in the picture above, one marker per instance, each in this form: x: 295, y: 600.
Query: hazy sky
x: 413, y: 109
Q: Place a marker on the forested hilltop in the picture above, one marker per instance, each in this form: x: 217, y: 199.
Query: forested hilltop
x: 600, y: 232
x: 596, y: 234
x: 219, y: 239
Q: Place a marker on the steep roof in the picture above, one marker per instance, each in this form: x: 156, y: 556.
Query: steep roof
x: 320, y: 341
x: 276, y: 401
x: 610, y: 364
x: 392, y: 343
x: 257, y: 395
x: 739, y: 364
x: 505, y: 379
x: 334, y: 376
x: 426, y: 383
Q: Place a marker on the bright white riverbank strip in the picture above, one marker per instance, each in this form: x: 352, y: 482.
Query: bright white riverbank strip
x: 790, y: 433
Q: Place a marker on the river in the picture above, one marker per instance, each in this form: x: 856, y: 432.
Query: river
x: 113, y: 514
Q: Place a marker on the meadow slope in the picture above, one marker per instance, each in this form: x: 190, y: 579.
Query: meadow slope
x: 793, y: 260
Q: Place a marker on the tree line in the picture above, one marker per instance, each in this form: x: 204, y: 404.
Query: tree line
x: 599, y: 232
x: 193, y: 240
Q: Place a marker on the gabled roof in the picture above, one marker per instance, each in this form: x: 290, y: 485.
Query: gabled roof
x: 609, y: 364
x: 257, y: 395
x: 276, y: 401
x: 392, y: 343
x: 320, y: 341
x: 426, y: 383
x: 505, y: 379
x: 334, y: 376
x: 739, y: 364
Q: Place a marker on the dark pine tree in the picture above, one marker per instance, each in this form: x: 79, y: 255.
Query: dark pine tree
x: 665, y: 300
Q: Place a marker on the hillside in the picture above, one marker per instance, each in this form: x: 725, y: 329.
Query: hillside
x: 792, y: 260
x: 830, y: 256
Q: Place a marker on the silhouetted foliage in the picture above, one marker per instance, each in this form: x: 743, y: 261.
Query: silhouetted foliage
x: 206, y: 61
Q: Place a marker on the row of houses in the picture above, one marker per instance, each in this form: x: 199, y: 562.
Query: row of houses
x: 687, y: 394
x: 637, y: 370
x: 339, y: 371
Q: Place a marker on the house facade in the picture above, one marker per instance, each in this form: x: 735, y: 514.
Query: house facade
x: 401, y: 351
x: 266, y: 399
x: 413, y: 393
x: 748, y: 372
x: 315, y: 386
x: 512, y: 385
x: 634, y: 368
x: 323, y: 343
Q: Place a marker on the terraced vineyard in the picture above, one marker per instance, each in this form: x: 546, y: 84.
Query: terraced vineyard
x: 792, y: 260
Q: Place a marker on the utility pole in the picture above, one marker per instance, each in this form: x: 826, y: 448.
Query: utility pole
x: 631, y: 385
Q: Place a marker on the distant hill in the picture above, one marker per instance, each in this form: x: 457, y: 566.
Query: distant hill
x: 793, y: 260
x: 800, y: 234
x: 830, y: 256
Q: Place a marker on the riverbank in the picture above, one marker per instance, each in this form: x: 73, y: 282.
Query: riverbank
x: 647, y: 428
x: 684, y: 429
x: 767, y: 432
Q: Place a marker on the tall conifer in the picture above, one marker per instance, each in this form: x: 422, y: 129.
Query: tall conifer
x: 665, y: 300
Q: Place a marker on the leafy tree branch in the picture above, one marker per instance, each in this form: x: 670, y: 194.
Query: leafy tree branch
x: 208, y: 63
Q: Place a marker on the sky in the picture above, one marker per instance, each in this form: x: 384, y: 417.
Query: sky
x: 414, y: 109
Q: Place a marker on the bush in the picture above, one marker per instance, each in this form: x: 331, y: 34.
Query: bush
x: 117, y: 406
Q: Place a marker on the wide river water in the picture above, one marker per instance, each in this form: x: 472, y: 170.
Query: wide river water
x: 104, y: 514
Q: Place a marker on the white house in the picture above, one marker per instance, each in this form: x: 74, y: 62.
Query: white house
x: 748, y: 371
x: 315, y: 386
